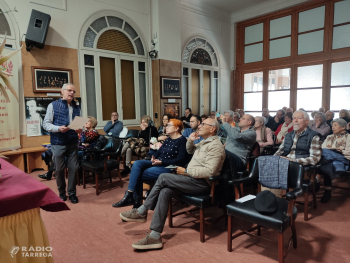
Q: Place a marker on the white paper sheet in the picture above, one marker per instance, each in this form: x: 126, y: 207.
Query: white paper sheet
x: 245, y: 198
x: 78, y: 123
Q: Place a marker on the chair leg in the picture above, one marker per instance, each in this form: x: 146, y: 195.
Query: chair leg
x: 314, y: 200
x: 294, y: 233
x: 84, y: 179
x: 110, y: 176
x: 280, y: 248
x: 201, y: 224
x: 241, y: 188
x: 96, y: 180
x: 306, y: 206
x: 229, y: 233
x: 170, y: 214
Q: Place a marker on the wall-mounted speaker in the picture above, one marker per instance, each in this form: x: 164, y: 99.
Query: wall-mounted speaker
x: 37, y: 29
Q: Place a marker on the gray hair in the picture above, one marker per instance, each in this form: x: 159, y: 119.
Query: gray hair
x: 306, y: 115
x: 331, y: 112
x: 322, y: 115
x: 216, y: 125
x: 341, y: 122
x: 237, y: 114
x: 66, y: 84
x: 346, y: 112
x: 230, y: 112
x: 261, y: 119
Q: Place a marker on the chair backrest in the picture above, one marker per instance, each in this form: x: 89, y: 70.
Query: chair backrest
x: 255, y: 150
x: 295, y: 174
x: 113, y: 145
x: 133, y: 134
x: 123, y: 133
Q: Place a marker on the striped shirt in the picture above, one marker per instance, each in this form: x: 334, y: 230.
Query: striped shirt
x: 315, y: 151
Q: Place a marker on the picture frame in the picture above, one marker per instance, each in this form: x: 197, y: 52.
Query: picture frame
x: 171, y: 87
x: 50, y: 79
x: 172, y: 108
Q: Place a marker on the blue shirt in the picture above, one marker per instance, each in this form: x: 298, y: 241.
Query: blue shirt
x: 113, y: 129
x: 187, y: 132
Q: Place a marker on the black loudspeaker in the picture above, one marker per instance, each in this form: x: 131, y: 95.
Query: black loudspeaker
x: 37, y: 29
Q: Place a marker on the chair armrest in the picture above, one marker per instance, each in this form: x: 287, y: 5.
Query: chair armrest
x: 293, y: 194
x: 215, y: 178
x: 241, y: 181
x: 243, y: 174
x: 252, y: 157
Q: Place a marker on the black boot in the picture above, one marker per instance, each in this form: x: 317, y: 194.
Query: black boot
x: 317, y: 186
x: 326, y: 196
x: 126, y: 171
x: 127, y: 200
x: 46, y: 176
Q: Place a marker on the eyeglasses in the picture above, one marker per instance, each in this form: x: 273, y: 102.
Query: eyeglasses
x: 203, y: 123
x: 70, y: 90
x: 169, y: 125
x: 114, y: 115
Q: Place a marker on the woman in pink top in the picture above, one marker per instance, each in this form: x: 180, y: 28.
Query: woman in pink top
x: 263, y: 134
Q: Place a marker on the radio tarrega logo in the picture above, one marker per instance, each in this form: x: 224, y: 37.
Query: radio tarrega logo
x: 14, y: 250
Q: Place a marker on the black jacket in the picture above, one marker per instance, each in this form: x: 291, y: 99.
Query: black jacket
x: 270, y: 122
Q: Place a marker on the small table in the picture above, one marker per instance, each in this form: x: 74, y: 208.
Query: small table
x: 32, y: 155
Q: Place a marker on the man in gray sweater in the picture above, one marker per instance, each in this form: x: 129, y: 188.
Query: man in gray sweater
x: 239, y: 141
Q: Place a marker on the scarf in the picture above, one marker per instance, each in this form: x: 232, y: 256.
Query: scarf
x: 284, y: 130
x: 262, y: 133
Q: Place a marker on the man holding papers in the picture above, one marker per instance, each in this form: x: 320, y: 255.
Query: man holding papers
x: 64, y: 141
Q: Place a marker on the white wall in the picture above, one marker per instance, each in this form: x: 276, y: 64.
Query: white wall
x: 65, y: 25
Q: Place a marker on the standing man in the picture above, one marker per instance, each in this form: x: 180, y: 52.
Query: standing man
x: 188, y: 114
x: 195, y: 121
x: 113, y: 127
x: 64, y: 141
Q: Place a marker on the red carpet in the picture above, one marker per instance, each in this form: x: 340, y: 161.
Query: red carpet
x: 93, y: 232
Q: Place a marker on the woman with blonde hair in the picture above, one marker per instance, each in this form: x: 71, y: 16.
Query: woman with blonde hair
x: 172, y: 152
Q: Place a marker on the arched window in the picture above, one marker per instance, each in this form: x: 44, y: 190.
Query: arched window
x: 7, y: 22
x: 113, y: 70
x: 200, y: 76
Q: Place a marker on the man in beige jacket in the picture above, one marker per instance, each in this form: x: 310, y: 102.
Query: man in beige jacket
x: 208, y: 158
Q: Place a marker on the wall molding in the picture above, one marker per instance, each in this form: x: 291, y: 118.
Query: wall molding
x: 57, y: 4
x: 217, y: 14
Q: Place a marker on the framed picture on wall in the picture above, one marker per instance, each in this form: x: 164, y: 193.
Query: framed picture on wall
x: 50, y: 79
x: 171, y: 87
x: 172, y: 108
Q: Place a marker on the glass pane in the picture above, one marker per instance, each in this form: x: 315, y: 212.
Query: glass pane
x: 213, y: 98
x: 90, y: 92
x: 310, y: 42
x: 89, y: 60
x: 185, y: 71
x: 310, y: 76
x: 340, y: 98
x: 341, y: 36
x: 253, y: 53
x: 128, y: 29
x: 209, y: 47
x: 4, y: 25
x: 341, y: 12
x: 214, y: 60
x: 279, y: 79
x: 278, y: 99
x: 281, y: 27
x: 280, y: 48
x: 139, y: 47
x: 115, y: 21
x: 304, y: 101
x: 191, y: 45
x: 108, y: 87
x: 254, y: 113
x: 185, y: 56
x: 253, y: 81
x: 340, y: 73
x: 200, y: 42
x: 184, y: 93
x: 311, y: 19
x: 215, y: 74
x: 99, y: 24
x: 128, y: 89
x: 143, y: 95
x: 254, y: 33
x: 89, y: 38
x: 142, y: 66
x: 253, y: 101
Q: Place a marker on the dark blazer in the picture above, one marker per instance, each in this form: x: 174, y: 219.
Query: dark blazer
x: 270, y: 122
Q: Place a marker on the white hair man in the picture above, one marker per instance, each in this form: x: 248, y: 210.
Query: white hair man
x: 64, y: 141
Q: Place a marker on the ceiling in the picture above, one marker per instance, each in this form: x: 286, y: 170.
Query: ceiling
x: 233, y: 6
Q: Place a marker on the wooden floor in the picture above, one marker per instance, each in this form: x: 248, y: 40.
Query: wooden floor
x: 93, y: 232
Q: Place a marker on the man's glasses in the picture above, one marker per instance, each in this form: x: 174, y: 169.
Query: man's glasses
x: 70, y: 90
x: 202, y: 124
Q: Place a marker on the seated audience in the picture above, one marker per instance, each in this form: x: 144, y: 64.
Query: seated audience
x: 230, y: 117
x: 320, y: 125
x: 186, y: 118
x: 239, y: 141
x: 113, y: 127
x: 263, y: 134
x: 313, y: 117
x: 88, y: 137
x: 284, y: 128
x: 329, y: 118
x: 208, y: 158
x: 204, y: 117
x: 322, y: 109
x: 212, y: 115
x: 278, y: 120
x: 241, y: 113
x: 302, y: 145
x: 195, y: 121
x: 335, y: 157
x: 139, y: 146
x: 162, y: 129
x: 289, y: 110
x: 344, y: 114
x: 172, y: 152
x: 269, y: 121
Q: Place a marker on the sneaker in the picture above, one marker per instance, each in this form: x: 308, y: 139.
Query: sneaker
x: 133, y: 216
x: 148, y: 243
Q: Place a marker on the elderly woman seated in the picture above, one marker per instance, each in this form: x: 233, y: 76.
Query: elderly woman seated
x: 335, y: 157
x: 172, y: 152
x: 320, y: 125
x: 263, y: 134
x: 284, y: 128
x: 344, y: 114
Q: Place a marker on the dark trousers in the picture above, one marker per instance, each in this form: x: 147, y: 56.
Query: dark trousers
x: 60, y: 152
x: 236, y: 163
x: 168, y: 186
